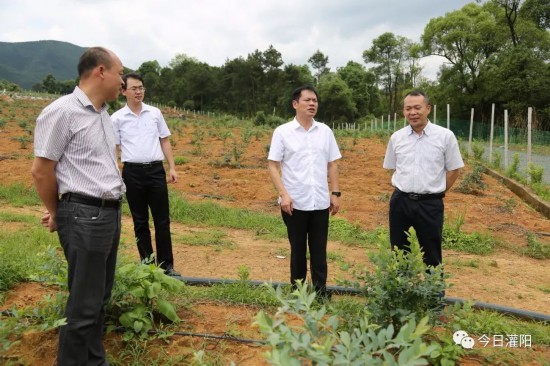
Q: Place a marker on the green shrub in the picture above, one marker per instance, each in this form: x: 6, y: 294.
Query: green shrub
x: 316, y: 338
x: 473, y: 183
x: 401, y: 285
x: 513, y: 169
x: 535, y: 172
x: 478, y: 149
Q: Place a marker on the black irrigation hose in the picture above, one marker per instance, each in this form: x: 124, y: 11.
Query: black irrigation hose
x: 340, y: 290
x: 202, y: 335
x: 184, y: 334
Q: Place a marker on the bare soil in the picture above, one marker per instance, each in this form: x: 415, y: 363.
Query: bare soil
x: 506, y: 277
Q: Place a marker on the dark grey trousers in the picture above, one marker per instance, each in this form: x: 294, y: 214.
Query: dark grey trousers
x: 89, y: 236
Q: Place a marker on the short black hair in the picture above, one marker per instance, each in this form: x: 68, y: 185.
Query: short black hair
x: 93, y: 57
x: 131, y: 75
x: 418, y: 93
x: 298, y: 92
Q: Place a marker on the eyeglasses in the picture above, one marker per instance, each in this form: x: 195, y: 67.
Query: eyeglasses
x: 136, y: 88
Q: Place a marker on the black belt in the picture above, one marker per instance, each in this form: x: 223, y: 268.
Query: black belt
x: 420, y: 197
x: 143, y: 165
x: 92, y: 201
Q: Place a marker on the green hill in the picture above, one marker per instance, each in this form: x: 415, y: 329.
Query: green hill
x: 27, y: 63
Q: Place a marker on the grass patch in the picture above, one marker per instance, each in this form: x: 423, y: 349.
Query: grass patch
x: 536, y: 249
x: 16, y: 261
x: 210, y: 213
x: 18, y: 195
x: 214, y: 238
x: 14, y: 217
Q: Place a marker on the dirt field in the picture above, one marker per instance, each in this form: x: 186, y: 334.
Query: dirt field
x: 505, y: 277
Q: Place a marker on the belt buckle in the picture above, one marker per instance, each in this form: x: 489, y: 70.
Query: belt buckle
x: 414, y: 196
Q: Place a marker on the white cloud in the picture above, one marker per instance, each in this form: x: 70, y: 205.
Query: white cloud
x: 213, y: 31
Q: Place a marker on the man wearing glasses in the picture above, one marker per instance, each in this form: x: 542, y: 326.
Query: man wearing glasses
x: 142, y: 134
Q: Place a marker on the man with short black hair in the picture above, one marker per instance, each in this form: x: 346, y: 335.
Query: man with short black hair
x: 306, y: 152
x: 426, y: 161
x: 143, y: 136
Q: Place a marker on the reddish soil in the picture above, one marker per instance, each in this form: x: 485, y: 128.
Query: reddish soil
x: 505, y: 277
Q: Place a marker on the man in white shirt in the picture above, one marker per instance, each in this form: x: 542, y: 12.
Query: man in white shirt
x: 142, y: 134
x: 426, y: 159
x: 306, y: 152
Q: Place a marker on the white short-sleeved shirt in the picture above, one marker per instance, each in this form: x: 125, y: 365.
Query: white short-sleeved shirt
x: 421, y: 162
x: 139, y: 136
x: 304, y: 157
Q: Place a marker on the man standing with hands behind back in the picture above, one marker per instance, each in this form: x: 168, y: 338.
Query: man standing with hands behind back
x: 306, y: 152
x: 426, y: 160
x: 142, y: 134
x: 75, y: 157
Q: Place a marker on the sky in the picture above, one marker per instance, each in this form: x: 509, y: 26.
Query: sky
x: 214, y: 31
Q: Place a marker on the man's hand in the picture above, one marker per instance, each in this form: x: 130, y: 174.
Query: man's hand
x: 173, y: 176
x: 48, y: 221
x: 334, y: 204
x: 286, y: 204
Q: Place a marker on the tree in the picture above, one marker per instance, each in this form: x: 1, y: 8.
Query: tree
x: 319, y: 62
x: 465, y: 38
x: 363, y: 86
x: 389, y: 53
x: 335, y: 100
x: 537, y: 11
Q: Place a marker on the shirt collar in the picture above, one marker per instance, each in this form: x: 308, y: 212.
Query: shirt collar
x: 86, y: 102
x: 296, y: 124
x: 144, y: 108
x: 426, y: 131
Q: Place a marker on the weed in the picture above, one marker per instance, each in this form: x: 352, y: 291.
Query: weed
x: 472, y: 183
x: 535, y: 173
x: 478, y: 149
x: 475, y: 243
x: 513, y: 169
x: 213, y: 238
x: 180, y: 160
x: 536, y: 249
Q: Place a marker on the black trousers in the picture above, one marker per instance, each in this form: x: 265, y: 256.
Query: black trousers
x: 426, y: 217
x: 146, y: 189
x: 308, y: 228
x: 90, y: 237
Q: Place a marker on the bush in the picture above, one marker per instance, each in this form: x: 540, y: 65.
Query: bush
x: 535, y: 172
x: 315, y: 338
x: 513, y: 169
x: 478, y: 149
x: 472, y: 183
x: 262, y: 120
x: 401, y: 285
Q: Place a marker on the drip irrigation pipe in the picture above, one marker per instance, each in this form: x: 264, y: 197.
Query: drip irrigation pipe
x: 203, y: 335
x: 340, y: 290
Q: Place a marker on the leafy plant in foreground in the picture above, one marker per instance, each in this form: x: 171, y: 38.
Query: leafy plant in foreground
x: 315, y: 337
x: 401, y: 285
x: 138, y: 293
